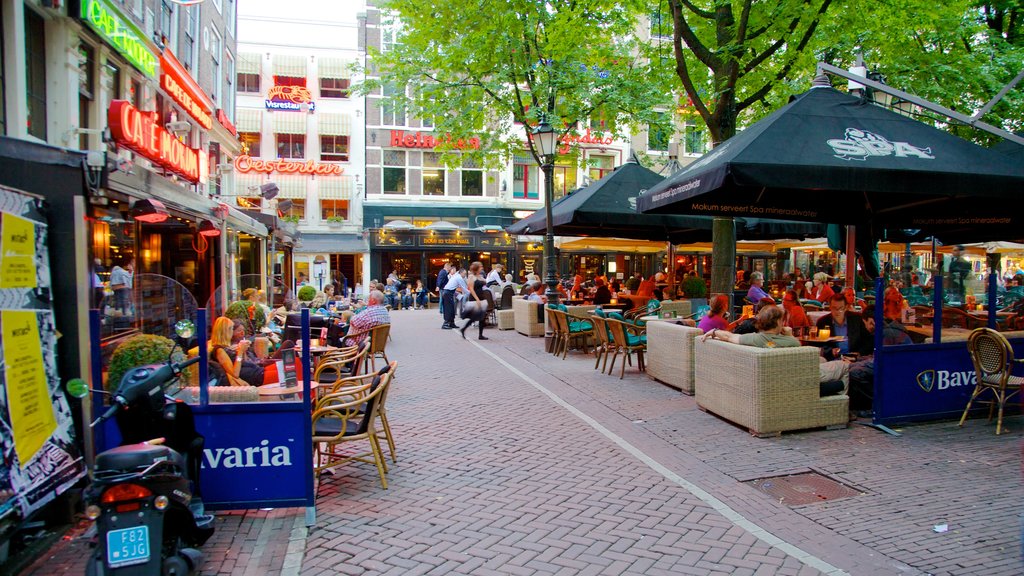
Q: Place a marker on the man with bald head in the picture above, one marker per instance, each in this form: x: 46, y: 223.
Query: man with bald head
x: 373, y: 315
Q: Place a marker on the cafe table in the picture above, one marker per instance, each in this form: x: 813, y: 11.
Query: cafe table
x: 817, y: 341
x: 282, y: 391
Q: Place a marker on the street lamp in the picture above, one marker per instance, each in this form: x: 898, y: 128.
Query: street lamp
x: 546, y: 140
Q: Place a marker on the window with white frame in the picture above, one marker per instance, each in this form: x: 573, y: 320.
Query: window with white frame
x: 229, y: 80
x: 658, y: 135
x: 333, y: 148
x: 291, y: 146
x: 695, y: 140
x: 392, y: 113
x: 229, y: 16
x: 525, y: 178
x: 390, y: 33
x: 35, y: 73
x: 394, y: 172
x: 188, y: 42
x: 215, y: 58
x: 166, y: 19
x: 433, y: 174
x: 661, y: 25
x: 472, y: 178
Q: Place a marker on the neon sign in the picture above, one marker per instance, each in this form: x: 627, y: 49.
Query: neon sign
x: 586, y: 138
x: 225, y: 122
x: 399, y: 139
x: 184, y: 90
x: 246, y: 164
x: 289, y: 98
x: 141, y: 132
x: 120, y: 33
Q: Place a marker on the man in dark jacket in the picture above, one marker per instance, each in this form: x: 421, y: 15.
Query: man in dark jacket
x: 844, y: 323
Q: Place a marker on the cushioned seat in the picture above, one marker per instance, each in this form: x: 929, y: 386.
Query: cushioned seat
x: 580, y: 326
x: 135, y: 456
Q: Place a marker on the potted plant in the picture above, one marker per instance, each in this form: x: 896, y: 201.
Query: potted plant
x: 249, y: 313
x: 140, y: 350
x: 293, y: 219
x: 335, y: 221
x: 696, y: 291
x: 306, y: 295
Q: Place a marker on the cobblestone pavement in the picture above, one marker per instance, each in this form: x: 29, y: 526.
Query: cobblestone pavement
x: 511, y: 461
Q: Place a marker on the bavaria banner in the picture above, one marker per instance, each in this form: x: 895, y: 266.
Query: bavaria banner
x: 38, y: 455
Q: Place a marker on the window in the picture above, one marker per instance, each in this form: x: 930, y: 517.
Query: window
x: 112, y: 80
x: 428, y: 121
x: 215, y: 59
x: 657, y: 136
x: 86, y: 91
x: 251, y: 142
x: 564, y: 174
x: 525, y: 185
x: 394, y: 172
x: 35, y: 73
x: 290, y: 81
x: 390, y: 34
x: 433, y: 174
x: 248, y: 83
x: 392, y: 113
x: 166, y: 19
x: 188, y: 44
x: 215, y: 181
x: 291, y: 145
x: 334, y: 148
x: 297, y: 211
x: 218, y: 4
x: 229, y: 79
x: 247, y: 202
x: 334, y: 209
x: 694, y: 141
x: 600, y: 166
x: 334, y: 88
x: 229, y: 16
x: 661, y: 25
x: 472, y: 178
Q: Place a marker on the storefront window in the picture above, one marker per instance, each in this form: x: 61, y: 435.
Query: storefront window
x: 433, y: 175
x: 251, y: 141
x: 525, y: 180
x: 394, y: 172
x: 406, y: 265
x: 297, y: 210
x: 334, y: 148
x: 334, y: 210
x: 291, y: 146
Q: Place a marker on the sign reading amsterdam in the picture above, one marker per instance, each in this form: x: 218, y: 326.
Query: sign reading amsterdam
x: 117, y: 30
x: 400, y: 139
x: 246, y: 164
x: 140, y: 132
x: 184, y: 90
x: 289, y: 98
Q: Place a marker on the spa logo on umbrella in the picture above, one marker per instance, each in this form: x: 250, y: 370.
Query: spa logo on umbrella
x: 860, y: 145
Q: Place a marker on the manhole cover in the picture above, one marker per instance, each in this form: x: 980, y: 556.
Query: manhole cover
x: 800, y: 489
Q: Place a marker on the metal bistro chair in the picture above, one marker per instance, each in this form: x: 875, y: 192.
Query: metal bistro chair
x: 993, y: 361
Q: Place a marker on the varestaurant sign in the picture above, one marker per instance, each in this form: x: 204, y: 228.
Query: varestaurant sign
x: 245, y: 164
x: 290, y: 98
x: 120, y: 33
x: 177, y: 82
x: 140, y: 132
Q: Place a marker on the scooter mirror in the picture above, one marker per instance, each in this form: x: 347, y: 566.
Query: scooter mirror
x: 185, y: 329
x: 77, y: 388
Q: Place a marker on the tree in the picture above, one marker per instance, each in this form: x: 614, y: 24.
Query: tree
x: 480, y: 71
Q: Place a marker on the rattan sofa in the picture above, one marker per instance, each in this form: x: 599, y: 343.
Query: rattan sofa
x: 670, y: 354
x: 526, y: 321
x: 766, y: 390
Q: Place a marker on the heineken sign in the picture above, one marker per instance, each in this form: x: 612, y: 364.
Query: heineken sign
x: 120, y: 33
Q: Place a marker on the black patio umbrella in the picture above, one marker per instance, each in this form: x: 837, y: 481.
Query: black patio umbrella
x: 607, y: 208
x: 831, y: 157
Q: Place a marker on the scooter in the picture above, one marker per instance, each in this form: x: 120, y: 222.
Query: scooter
x: 144, y: 495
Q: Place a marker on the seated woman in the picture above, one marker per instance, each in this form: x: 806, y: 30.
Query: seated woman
x: 795, y: 316
x: 771, y: 333
x: 227, y: 361
x: 602, y: 295
x: 406, y: 295
x: 715, y: 318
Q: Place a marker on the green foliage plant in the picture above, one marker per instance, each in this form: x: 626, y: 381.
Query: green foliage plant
x: 306, y: 293
x: 140, y: 350
x: 694, y: 287
x: 240, y: 310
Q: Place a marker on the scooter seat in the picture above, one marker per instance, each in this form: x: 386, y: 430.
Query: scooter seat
x: 135, y: 456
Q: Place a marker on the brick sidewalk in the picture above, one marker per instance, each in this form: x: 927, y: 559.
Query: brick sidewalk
x: 515, y: 462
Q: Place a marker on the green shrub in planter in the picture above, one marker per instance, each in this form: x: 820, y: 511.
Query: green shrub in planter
x: 633, y: 283
x: 694, y: 287
x: 307, y: 293
x: 140, y: 350
x: 240, y: 311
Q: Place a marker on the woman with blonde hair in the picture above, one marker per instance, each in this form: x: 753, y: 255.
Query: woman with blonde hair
x: 227, y: 362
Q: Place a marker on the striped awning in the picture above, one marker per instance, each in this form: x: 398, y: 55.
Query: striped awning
x: 335, y: 187
x: 335, y: 124
x: 334, y: 68
x: 248, y: 120
x: 286, y: 122
x: 243, y: 183
x: 249, y: 63
x: 290, y: 186
x: 287, y: 65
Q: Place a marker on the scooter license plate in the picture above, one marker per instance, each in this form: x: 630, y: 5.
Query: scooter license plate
x: 128, y: 546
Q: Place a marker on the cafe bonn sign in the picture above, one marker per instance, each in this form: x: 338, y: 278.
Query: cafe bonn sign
x: 142, y: 133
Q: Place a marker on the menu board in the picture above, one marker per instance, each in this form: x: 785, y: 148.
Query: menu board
x: 39, y: 458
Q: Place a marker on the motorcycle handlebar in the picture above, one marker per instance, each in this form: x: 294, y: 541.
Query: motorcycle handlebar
x: 179, y: 366
x: 120, y: 402
x: 114, y: 409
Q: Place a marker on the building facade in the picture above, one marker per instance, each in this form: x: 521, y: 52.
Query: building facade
x: 302, y: 130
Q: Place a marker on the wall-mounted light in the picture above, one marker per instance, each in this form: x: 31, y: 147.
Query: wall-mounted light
x: 149, y: 210
x: 208, y: 229
x: 269, y: 190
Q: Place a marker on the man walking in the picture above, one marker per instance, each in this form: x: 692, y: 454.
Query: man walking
x: 456, y: 283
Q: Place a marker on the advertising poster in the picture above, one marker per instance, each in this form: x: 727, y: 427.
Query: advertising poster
x: 38, y: 455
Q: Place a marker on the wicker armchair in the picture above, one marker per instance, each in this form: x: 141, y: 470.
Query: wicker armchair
x: 670, y: 354
x: 993, y: 361
x: 766, y: 390
x: 526, y: 317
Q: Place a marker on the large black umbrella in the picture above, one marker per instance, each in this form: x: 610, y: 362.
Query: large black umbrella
x: 831, y: 157
x: 607, y: 208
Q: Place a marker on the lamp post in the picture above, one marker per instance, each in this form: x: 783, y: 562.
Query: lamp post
x: 546, y: 140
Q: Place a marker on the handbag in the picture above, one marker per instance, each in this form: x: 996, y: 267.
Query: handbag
x: 470, y: 306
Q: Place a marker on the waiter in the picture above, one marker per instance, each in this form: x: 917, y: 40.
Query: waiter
x: 442, y: 281
x: 456, y: 283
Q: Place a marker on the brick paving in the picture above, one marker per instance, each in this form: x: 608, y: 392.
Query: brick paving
x: 515, y: 462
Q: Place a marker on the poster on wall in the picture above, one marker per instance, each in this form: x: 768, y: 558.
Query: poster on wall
x: 38, y: 455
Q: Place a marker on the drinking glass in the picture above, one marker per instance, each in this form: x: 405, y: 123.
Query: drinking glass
x: 813, y: 331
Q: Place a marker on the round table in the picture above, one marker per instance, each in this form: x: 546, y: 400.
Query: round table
x: 282, y: 391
